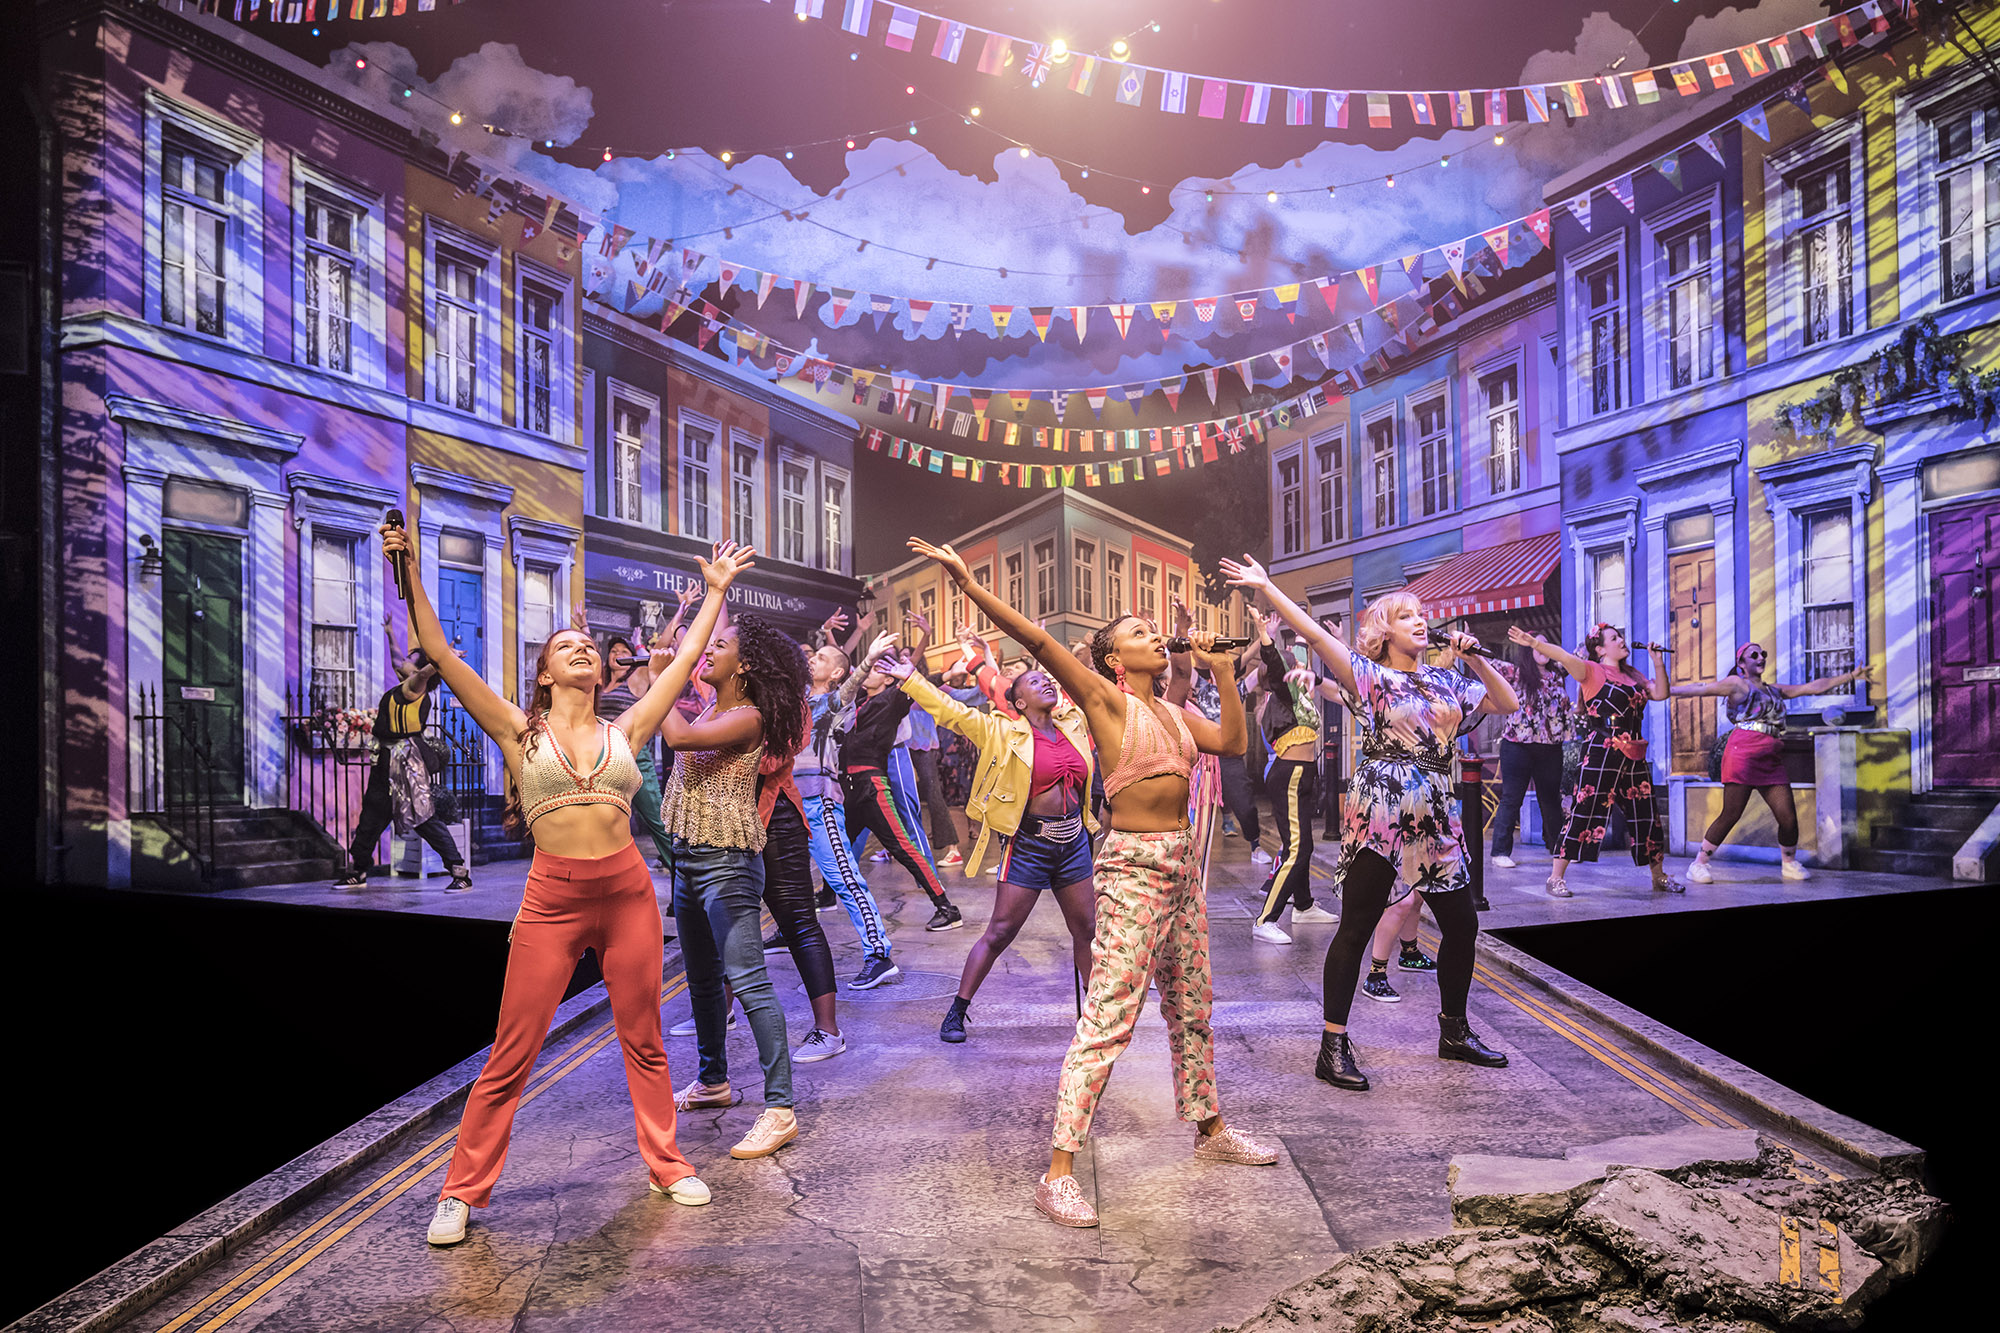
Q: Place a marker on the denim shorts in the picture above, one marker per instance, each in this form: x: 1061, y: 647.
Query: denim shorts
x: 1036, y: 862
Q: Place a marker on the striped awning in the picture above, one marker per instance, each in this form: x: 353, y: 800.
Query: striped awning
x: 1497, y: 578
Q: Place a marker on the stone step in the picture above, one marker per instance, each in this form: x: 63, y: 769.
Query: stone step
x: 1926, y: 813
x: 302, y: 871
x: 1917, y: 838
x: 1889, y: 861
x: 254, y: 851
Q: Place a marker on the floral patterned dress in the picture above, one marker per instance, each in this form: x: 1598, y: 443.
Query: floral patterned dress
x: 1401, y: 804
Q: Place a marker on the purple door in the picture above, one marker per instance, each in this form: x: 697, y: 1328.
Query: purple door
x: 1965, y: 649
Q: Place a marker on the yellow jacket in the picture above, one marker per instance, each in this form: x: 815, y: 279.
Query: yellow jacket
x: 1006, y: 760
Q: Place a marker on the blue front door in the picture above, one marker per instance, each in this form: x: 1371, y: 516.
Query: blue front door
x: 462, y: 610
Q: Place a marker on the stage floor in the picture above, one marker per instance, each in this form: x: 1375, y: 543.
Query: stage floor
x: 906, y: 1202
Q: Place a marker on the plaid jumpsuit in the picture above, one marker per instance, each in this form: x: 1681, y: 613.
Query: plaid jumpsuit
x: 1614, y: 770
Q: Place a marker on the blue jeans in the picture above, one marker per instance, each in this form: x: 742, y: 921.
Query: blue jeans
x: 718, y: 897
x: 835, y: 859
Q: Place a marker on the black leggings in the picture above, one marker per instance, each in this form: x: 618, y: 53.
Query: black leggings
x: 1363, y: 899
x: 1237, y: 798
x: 788, y: 892
x: 1294, y: 787
x: 1736, y: 799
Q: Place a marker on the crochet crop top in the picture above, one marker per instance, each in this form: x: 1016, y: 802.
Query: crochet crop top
x: 548, y: 782
x: 1148, y: 750
x: 710, y: 798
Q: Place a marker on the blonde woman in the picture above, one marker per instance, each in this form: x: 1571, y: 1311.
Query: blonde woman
x: 1401, y: 830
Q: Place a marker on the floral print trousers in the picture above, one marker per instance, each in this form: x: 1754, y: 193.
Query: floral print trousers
x: 1152, y: 921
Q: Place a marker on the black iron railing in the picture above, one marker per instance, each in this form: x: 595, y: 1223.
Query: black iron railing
x: 174, y: 783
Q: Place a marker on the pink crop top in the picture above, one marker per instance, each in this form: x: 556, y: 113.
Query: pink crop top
x: 1057, y: 764
x: 1148, y: 749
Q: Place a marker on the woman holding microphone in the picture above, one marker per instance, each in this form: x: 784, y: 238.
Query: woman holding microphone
x: 571, y: 779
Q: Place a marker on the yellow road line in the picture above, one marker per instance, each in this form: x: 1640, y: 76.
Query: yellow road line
x: 543, y: 1079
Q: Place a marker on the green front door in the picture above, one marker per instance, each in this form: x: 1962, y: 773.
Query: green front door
x: 202, y: 671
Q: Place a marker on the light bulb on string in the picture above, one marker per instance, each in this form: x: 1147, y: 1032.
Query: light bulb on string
x: 910, y: 89
x: 409, y: 92
x: 1145, y: 189
x: 1058, y: 50
x: 1499, y: 139
x: 1120, y: 48
x: 1271, y: 196
x: 913, y: 127
x: 854, y: 55
x: 607, y: 155
x: 360, y: 63
x: 975, y: 111
x: 1155, y: 27
x: 1024, y: 150
x: 788, y: 152
x: 850, y: 143
x: 1389, y: 181
x: 1208, y: 196
x: 727, y: 156
x: 1329, y: 192
x: 1086, y: 173
x: 1445, y: 161
x: 457, y: 119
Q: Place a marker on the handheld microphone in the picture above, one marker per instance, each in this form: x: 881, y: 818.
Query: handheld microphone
x: 1481, y: 650
x: 1223, y: 644
x: 401, y: 560
x: 633, y: 661
x: 1653, y: 647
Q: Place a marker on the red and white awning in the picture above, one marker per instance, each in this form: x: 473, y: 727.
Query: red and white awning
x: 1499, y: 578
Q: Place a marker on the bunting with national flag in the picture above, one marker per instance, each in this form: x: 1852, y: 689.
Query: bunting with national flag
x: 1336, y: 111
x: 854, y: 18
x: 1752, y: 57
x: 1646, y: 87
x: 1718, y: 71
x: 1214, y: 99
x: 1613, y: 89
x: 1256, y: 103
x: 995, y: 54
x: 950, y: 41
x: 1298, y: 106
x: 1083, y: 78
x: 1378, y: 111
x: 1420, y: 108
x: 902, y: 33
x: 1496, y: 107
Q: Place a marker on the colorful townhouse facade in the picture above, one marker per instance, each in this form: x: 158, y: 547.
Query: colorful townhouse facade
x: 1064, y: 558
x: 282, y: 312
x: 1838, y: 222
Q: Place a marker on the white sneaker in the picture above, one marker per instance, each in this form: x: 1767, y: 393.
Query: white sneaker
x: 1313, y: 916
x: 1259, y: 857
x: 1505, y: 862
x: 685, y: 1028
x: 1792, y: 870
x: 688, y: 1190
x: 448, y: 1223
x: 1698, y: 873
x: 818, y: 1045
x: 1268, y: 932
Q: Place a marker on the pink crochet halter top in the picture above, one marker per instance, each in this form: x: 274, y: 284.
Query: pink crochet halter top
x: 1148, y: 749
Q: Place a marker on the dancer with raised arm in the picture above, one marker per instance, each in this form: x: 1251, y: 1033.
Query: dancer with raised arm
x: 1151, y: 917
x: 1614, y: 695
x: 1753, y: 757
x: 1029, y: 788
x: 571, y: 779
x: 1402, y: 828
x: 1290, y: 721
x: 716, y: 836
x: 1531, y: 750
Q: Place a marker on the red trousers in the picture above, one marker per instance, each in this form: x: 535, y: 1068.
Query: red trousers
x: 574, y: 903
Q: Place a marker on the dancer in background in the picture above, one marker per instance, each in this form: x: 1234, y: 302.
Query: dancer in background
x: 819, y: 785
x: 1614, y: 770
x: 1531, y: 750
x: 399, y: 781
x: 1151, y: 918
x: 870, y: 805
x: 1753, y: 757
x: 1402, y: 829
x: 716, y: 835
x: 1290, y: 722
x: 1029, y: 788
x: 588, y: 887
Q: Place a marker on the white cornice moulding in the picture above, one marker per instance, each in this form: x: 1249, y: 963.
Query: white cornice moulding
x: 457, y: 483
x: 164, y: 416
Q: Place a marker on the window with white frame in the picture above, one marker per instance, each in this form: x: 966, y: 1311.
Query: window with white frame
x: 1433, y: 455
x: 1176, y: 588
x: 982, y: 574
x: 957, y: 603
x: 333, y: 280
x: 833, y: 519
x: 746, y: 485
x: 541, y: 357
x: 1967, y: 144
x: 1600, y: 364
x: 1291, y: 505
x: 1017, y: 583
x: 1148, y: 608
x: 537, y: 619
x: 630, y: 426
x: 904, y: 606
x: 1114, y: 585
x: 794, y: 510
x: 1045, y: 577
x: 1823, y: 240
x: 1382, y: 471
x: 698, y: 481
x: 336, y: 621
x: 197, y: 259
x: 1330, y: 479
x: 927, y: 608
x: 1827, y: 590
x: 1083, y: 577
x: 1500, y: 396
x: 459, y: 285
x: 1204, y: 615
x: 1685, y: 273
x: 1607, y: 587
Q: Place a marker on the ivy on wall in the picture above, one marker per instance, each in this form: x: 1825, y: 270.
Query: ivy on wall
x: 1919, y: 362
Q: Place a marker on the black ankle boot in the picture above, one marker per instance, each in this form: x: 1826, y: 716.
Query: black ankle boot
x: 1457, y: 1041
x: 1336, y: 1063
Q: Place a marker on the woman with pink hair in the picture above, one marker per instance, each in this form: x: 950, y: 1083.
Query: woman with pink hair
x: 1401, y: 828
x: 1753, y: 757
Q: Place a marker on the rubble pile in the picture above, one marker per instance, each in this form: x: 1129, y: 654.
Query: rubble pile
x: 1703, y: 1230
